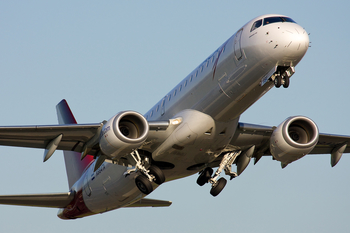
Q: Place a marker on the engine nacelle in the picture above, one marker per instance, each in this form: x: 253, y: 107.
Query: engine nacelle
x: 123, y: 133
x: 293, y: 139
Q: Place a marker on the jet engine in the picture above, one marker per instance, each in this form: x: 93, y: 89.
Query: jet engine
x: 123, y: 133
x: 293, y: 139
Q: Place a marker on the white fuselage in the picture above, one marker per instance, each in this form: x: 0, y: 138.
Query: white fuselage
x: 222, y: 87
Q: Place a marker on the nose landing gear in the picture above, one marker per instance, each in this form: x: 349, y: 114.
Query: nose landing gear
x: 281, y: 80
x: 282, y: 76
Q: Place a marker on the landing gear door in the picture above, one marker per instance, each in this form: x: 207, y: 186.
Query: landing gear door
x: 237, y: 45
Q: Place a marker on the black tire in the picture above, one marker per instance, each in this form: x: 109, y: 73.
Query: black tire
x: 278, y: 81
x: 286, y: 82
x: 143, y: 184
x: 204, y: 176
x: 218, y: 187
x: 209, y: 171
x: 201, y: 180
x: 158, y: 174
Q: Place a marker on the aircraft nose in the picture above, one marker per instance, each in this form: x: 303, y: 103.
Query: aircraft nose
x: 295, y: 42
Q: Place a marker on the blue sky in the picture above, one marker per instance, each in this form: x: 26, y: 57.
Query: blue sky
x: 109, y: 56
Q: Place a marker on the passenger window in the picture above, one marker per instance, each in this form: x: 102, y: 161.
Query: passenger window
x: 175, y: 92
x: 185, y: 83
x: 202, y: 68
x: 256, y: 25
x: 191, y: 78
x: 216, y: 54
x: 212, y: 59
x: 169, y: 97
x: 196, y: 73
x: 180, y: 88
x: 207, y: 63
x: 157, y: 108
x: 150, y: 115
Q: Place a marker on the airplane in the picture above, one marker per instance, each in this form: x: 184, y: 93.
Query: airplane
x: 194, y: 128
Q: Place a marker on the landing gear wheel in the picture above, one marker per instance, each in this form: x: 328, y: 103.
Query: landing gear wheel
x: 204, y: 176
x: 278, y: 81
x: 158, y: 174
x: 143, y: 184
x: 286, y: 82
x: 218, y: 187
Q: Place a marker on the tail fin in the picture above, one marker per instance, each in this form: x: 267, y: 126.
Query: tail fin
x: 74, y: 165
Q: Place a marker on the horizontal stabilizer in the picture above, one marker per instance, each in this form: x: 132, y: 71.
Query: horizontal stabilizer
x: 54, y: 200
x: 145, y: 202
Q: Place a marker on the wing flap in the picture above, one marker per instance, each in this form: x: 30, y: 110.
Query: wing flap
x: 328, y: 142
x: 53, y: 200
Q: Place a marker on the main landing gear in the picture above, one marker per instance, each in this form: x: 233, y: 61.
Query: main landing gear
x: 146, y: 176
x: 217, y: 185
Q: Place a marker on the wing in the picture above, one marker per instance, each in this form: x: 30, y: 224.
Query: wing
x: 74, y: 136
x: 249, y: 134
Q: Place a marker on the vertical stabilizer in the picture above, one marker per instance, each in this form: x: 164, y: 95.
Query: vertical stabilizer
x: 74, y: 165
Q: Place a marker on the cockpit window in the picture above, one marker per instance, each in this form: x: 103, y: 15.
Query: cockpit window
x: 270, y: 20
x: 256, y: 25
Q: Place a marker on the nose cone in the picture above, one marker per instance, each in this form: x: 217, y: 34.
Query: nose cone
x: 281, y: 44
x: 294, y: 41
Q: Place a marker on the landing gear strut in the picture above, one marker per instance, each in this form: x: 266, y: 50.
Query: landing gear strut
x: 147, y: 176
x: 217, y: 185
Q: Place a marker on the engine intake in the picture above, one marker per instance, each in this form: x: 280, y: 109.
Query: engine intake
x: 123, y: 133
x: 293, y: 139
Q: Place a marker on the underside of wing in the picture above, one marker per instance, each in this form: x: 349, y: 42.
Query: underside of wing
x: 54, y: 200
x: 73, y: 136
x: 264, y: 138
x: 249, y: 134
x: 328, y: 142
